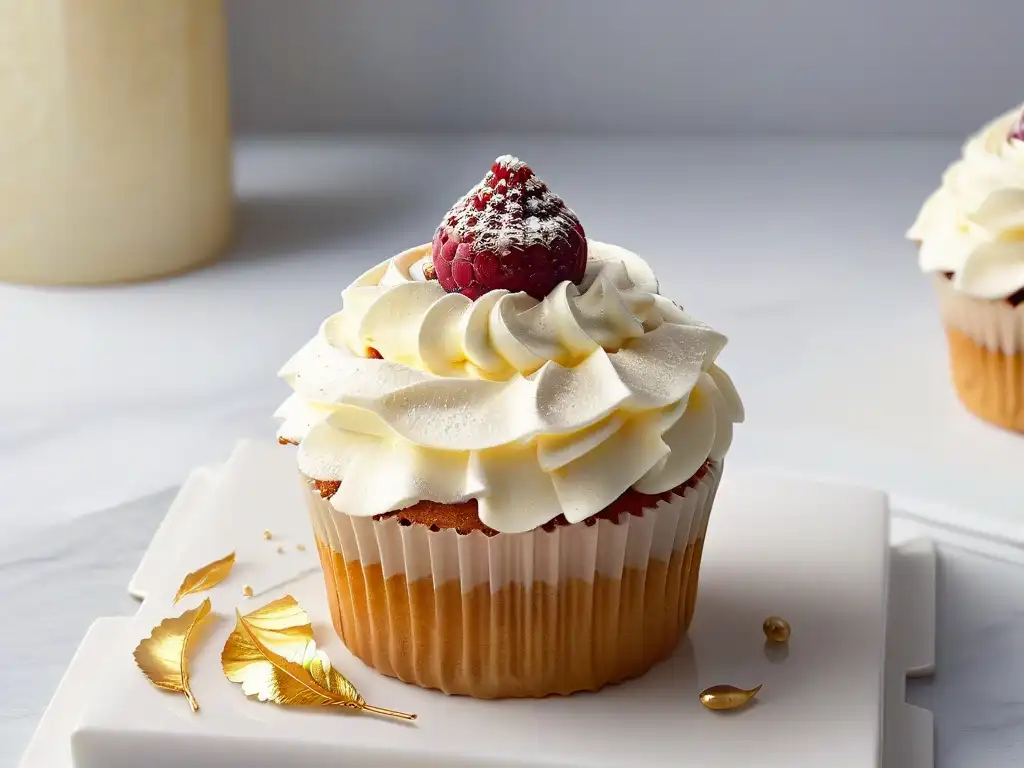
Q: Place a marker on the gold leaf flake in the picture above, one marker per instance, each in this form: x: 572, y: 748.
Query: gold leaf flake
x: 282, y: 626
x: 726, y: 697
x: 207, y: 577
x: 163, y: 656
x: 273, y: 656
x: 247, y: 591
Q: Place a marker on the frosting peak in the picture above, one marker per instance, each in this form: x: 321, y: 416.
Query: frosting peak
x: 415, y: 322
x: 973, y: 225
x: 534, y: 408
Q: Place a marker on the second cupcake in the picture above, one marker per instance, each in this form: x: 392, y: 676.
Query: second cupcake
x: 971, y: 238
x: 511, y: 444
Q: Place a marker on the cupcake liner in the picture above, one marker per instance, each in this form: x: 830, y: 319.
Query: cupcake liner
x: 990, y: 323
x: 525, y: 614
x: 986, y: 355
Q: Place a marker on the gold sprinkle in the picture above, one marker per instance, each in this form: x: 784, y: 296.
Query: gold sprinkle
x: 247, y: 591
x: 722, y: 698
x: 429, y: 272
x: 280, y: 549
x: 268, y: 535
x: 300, y: 547
x: 776, y: 629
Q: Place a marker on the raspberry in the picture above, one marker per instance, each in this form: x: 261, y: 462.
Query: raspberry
x: 509, y: 231
x: 1017, y: 130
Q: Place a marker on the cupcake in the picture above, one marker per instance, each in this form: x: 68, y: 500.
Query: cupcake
x: 971, y: 238
x: 510, y: 444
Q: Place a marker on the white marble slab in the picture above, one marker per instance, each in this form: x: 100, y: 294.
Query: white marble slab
x: 767, y: 526
x: 908, y: 740
x: 793, y: 248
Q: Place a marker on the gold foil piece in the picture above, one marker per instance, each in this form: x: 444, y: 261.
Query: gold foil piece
x: 280, y: 549
x: 282, y: 626
x: 776, y: 629
x: 206, y: 577
x: 273, y: 656
x: 722, y: 698
x: 268, y: 535
x: 246, y: 591
x: 163, y: 656
x: 300, y: 547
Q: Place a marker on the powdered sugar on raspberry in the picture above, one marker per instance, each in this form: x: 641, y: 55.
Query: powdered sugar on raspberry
x: 510, y: 209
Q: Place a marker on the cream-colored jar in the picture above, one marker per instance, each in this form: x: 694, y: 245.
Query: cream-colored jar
x: 115, y: 150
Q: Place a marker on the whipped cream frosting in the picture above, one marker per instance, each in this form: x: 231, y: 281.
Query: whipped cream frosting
x: 973, y: 225
x: 534, y: 408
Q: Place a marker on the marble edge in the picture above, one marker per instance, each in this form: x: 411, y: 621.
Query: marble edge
x: 50, y: 745
x: 908, y: 734
x: 191, y: 497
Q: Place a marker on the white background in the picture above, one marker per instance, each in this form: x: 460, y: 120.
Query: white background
x: 721, y: 66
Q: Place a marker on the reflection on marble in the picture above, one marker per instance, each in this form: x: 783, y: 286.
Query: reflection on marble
x: 61, y: 578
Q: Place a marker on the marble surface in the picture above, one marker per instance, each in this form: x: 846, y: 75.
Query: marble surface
x: 793, y: 248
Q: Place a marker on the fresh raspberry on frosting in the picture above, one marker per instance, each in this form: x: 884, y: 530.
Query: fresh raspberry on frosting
x: 509, y: 231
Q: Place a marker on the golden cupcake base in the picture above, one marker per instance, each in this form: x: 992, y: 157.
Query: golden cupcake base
x: 515, y: 641
x: 989, y: 382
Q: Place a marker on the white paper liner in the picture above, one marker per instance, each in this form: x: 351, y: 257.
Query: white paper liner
x: 512, y: 615
x: 568, y: 552
x: 993, y: 323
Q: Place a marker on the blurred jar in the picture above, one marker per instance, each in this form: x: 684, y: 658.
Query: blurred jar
x: 115, y: 150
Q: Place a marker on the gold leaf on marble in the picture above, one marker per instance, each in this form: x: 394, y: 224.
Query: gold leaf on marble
x: 725, y: 697
x: 207, y: 577
x: 282, y: 626
x: 273, y: 656
x: 163, y: 656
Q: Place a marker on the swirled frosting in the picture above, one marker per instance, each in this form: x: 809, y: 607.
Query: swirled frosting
x: 973, y: 225
x: 534, y: 408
